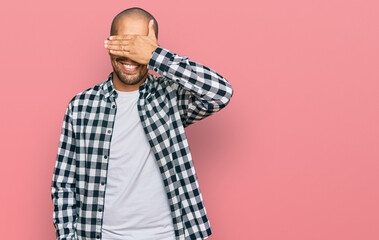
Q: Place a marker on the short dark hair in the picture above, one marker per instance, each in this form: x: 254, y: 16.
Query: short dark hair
x: 134, y: 10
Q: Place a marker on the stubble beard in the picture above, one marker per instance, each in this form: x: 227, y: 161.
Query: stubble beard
x: 129, y: 79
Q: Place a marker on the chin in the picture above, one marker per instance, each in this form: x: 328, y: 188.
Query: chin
x: 129, y: 79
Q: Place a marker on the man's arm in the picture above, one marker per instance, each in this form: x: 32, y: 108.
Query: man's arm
x: 63, y: 183
x: 201, y: 92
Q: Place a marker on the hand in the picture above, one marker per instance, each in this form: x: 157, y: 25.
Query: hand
x: 138, y: 48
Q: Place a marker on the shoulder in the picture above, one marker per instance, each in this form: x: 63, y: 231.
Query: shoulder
x: 84, y: 96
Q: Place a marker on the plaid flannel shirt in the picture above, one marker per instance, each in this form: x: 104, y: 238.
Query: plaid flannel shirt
x: 186, y: 93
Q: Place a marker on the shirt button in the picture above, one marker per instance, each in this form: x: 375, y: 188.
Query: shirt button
x: 105, y: 156
x: 102, y: 183
x: 109, y: 131
x: 100, y: 209
x: 113, y: 105
x: 155, y: 69
x: 98, y: 236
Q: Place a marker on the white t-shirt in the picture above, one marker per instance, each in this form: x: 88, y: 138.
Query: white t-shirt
x: 136, y: 205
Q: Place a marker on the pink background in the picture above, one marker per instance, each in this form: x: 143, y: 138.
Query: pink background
x: 293, y: 156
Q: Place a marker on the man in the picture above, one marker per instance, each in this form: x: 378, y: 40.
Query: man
x: 124, y: 168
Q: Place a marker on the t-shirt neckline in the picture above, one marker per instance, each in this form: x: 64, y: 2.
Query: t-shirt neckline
x: 128, y: 93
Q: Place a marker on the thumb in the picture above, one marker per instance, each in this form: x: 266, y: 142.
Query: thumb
x: 151, y: 33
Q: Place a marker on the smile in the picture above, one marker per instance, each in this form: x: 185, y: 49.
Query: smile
x: 129, y: 67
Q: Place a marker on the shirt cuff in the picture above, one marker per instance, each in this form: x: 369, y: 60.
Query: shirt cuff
x: 162, y: 58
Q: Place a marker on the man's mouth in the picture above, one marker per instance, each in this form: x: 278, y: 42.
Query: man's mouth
x: 129, y: 67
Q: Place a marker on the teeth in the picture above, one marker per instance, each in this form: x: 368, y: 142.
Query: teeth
x: 130, y: 66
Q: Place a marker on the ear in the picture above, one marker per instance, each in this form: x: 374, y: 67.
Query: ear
x: 151, y: 33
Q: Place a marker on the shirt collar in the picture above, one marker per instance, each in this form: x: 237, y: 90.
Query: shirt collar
x: 108, y: 88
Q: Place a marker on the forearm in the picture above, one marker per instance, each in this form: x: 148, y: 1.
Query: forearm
x: 209, y: 86
x: 64, y: 217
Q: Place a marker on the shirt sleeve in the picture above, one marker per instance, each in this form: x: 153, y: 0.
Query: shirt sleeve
x: 201, y: 92
x: 63, y: 183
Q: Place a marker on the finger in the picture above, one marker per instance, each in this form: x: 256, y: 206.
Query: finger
x: 114, y: 41
x: 120, y: 53
x: 124, y: 48
x: 117, y: 42
x: 121, y: 37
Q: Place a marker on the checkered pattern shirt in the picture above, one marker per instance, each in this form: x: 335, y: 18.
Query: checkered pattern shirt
x: 186, y: 93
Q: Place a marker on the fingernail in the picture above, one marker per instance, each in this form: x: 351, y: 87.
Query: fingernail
x: 110, y: 37
x: 106, y: 41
